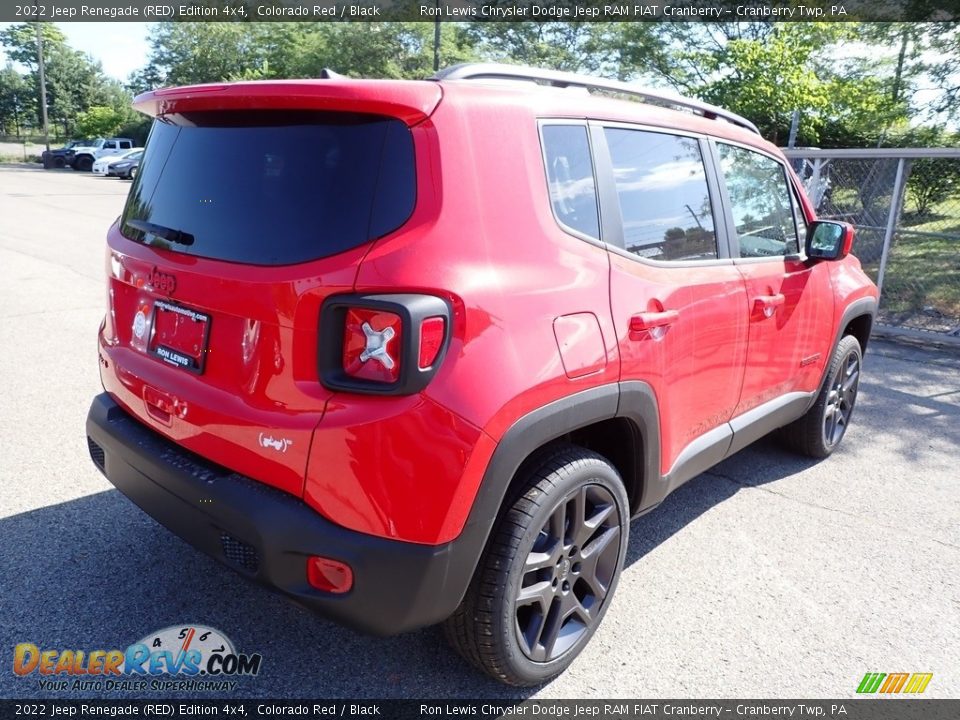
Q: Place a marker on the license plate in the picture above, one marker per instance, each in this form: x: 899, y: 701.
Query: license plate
x: 180, y: 336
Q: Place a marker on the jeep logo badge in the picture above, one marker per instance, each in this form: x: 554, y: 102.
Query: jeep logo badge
x: 161, y: 281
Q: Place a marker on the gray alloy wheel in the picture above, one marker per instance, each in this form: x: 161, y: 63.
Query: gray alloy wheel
x: 820, y: 430
x: 549, y: 570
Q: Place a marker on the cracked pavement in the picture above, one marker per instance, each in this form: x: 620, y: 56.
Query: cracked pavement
x: 769, y: 576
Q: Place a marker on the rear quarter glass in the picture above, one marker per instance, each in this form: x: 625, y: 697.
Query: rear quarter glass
x: 272, y: 187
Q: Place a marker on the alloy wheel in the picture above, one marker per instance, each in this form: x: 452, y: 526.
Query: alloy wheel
x: 840, y: 400
x: 568, y: 573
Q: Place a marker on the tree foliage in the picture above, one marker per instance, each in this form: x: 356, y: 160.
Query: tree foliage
x: 74, y: 81
x: 852, y: 84
x: 99, y: 121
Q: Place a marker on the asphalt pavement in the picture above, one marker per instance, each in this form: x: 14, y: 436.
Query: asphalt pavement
x: 769, y: 576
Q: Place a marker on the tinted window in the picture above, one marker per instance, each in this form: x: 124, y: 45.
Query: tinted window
x: 573, y: 192
x: 759, y: 201
x: 663, y: 194
x: 271, y: 187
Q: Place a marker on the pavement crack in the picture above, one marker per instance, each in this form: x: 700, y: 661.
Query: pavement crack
x: 847, y: 513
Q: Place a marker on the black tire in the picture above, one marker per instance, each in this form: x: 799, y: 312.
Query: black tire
x: 562, y: 542
x: 84, y: 163
x: 820, y: 430
x: 131, y: 173
x: 59, y: 162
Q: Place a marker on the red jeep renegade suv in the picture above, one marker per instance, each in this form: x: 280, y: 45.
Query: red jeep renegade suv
x: 415, y: 352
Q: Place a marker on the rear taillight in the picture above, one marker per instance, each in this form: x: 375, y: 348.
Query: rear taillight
x: 372, y: 341
x: 382, y: 344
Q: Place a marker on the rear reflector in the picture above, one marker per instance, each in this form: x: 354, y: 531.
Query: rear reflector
x: 329, y: 575
x: 432, y: 334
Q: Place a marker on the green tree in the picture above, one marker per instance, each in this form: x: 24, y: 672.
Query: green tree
x: 16, y: 101
x: 99, y: 121
x: 74, y: 80
x: 571, y: 46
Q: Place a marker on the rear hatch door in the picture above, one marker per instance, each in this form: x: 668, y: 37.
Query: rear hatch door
x: 239, y: 224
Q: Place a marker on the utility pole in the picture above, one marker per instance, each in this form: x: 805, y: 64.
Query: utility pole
x: 43, y: 87
x: 436, y: 39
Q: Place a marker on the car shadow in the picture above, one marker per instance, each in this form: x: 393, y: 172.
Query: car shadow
x: 97, y: 573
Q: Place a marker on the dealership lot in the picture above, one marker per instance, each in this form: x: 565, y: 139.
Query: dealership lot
x: 769, y: 576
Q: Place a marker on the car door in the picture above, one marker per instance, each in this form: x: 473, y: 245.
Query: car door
x: 790, y: 301
x: 676, y: 297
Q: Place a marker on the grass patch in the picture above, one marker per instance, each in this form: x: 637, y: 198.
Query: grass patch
x: 923, y: 276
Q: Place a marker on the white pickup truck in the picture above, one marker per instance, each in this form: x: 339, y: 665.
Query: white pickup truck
x: 83, y: 157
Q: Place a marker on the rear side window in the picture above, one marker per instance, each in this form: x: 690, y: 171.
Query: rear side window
x: 760, y: 201
x: 664, y: 198
x: 271, y: 187
x: 573, y: 192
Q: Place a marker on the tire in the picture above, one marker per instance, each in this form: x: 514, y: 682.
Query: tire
x: 59, y: 162
x: 132, y: 173
x: 820, y: 430
x: 84, y: 163
x: 562, y: 542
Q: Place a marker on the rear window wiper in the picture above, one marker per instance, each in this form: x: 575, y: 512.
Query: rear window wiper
x: 171, y: 234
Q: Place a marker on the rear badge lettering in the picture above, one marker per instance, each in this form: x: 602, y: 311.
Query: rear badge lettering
x: 278, y: 444
x: 162, y: 282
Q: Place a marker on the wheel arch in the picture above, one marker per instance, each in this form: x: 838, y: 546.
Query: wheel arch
x: 857, y: 320
x: 600, y: 419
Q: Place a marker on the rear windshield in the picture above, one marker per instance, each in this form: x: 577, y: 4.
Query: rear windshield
x: 271, y: 187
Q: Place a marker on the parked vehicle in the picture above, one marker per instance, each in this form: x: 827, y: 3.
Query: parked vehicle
x: 127, y: 167
x: 421, y: 349
x: 61, y: 157
x: 103, y: 165
x: 84, y: 155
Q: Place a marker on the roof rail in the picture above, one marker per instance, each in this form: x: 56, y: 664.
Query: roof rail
x: 556, y: 78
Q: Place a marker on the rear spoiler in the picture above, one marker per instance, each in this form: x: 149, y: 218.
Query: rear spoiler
x: 409, y: 101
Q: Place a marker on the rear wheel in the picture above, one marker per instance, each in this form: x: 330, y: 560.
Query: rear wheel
x: 549, y: 572
x: 819, y: 432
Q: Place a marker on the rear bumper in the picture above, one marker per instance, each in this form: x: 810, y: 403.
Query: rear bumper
x: 266, y: 534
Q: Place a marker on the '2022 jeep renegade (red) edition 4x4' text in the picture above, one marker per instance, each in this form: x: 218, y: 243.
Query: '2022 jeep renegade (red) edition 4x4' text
x: 415, y: 352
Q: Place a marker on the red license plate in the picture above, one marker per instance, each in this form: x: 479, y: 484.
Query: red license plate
x: 180, y: 336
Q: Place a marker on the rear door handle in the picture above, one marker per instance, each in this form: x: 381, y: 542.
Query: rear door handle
x: 652, y: 324
x: 766, y: 305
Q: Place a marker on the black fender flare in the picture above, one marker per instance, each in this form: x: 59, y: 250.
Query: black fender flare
x: 633, y: 400
x: 858, y: 308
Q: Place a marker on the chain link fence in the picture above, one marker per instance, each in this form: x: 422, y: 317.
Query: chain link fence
x: 906, y: 206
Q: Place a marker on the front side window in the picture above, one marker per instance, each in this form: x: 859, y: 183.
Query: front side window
x: 573, y: 191
x: 759, y: 201
x: 664, y: 198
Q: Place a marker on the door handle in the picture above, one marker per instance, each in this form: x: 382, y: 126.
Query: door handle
x: 766, y: 305
x: 652, y: 324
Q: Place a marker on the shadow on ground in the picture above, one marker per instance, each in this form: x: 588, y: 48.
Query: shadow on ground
x: 97, y: 573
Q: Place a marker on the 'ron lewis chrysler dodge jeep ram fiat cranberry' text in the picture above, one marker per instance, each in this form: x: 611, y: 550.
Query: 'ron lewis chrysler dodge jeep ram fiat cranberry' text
x: 427, y: 346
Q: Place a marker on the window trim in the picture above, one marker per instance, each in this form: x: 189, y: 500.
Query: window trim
x: 612, y: 217
x: 728, y: 207
x: 547, y: 122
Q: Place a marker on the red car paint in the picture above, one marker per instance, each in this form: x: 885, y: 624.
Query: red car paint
x: 537, y: 314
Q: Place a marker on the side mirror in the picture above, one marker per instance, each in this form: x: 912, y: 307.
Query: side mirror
x: 829, y: 240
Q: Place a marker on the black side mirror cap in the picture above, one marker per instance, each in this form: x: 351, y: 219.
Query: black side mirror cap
x: 829, y: 240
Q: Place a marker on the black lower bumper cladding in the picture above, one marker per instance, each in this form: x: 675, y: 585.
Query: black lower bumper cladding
x: 267, y: 535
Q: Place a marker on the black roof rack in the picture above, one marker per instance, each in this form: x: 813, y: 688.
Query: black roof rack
x: 556, y: 78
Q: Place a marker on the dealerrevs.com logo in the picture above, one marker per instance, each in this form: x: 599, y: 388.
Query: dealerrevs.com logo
x: 180, y: 657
